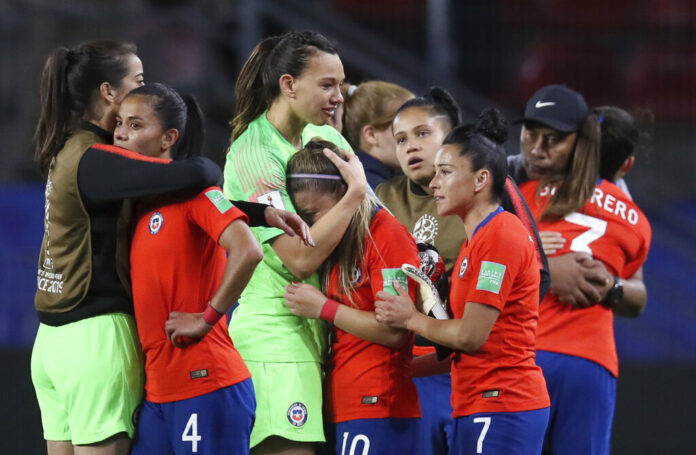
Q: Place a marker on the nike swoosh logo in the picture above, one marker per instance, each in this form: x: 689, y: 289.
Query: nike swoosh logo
x: 540, y: 104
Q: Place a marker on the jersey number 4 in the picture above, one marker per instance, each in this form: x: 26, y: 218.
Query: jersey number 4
x: 596, y: 229
x: 190, y: 433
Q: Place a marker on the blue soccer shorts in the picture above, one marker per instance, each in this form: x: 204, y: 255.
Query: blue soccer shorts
x: 216, y: 422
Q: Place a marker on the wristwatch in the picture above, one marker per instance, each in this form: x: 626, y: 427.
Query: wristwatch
x: 615, y: 294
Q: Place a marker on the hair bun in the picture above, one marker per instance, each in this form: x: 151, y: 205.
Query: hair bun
x: 493, y: 125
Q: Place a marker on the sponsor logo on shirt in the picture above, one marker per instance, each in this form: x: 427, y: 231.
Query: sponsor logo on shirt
x: 463, y: 267
x: 425, y: 229
x: 219, y: 200
x: 273, y: 199
x: 199, y: 374
x: 370, y: 400
x: 491, y: 394
x: 297, y: 414
x: 491, y: 277
x: 156, y: 222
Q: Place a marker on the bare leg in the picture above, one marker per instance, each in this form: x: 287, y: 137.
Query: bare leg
x: 59, y: 448
x: 116, y: 445
x: 276, y: 445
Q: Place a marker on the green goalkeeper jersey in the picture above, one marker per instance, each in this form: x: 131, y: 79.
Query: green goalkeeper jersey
x: 262, y: 327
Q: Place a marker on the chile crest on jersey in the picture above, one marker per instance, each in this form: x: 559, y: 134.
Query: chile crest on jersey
x: 156, y: 222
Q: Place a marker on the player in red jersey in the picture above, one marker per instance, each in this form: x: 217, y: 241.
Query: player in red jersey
x: 596, y: 219
x: 498, y: 392
x: 198, y: 393
x: 369, y: 391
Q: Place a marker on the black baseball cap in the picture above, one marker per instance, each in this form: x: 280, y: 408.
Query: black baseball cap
x: 557, y: 107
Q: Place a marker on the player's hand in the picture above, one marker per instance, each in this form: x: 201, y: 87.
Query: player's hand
x: 183, y: 329
x: 578, y: 280
x: 304, y: 300
x: 395, y: 310
x: 289, y: 222
x: 351, y: 170
x: 551, y: 241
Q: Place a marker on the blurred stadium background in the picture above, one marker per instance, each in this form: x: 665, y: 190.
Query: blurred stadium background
x: 632, y: 53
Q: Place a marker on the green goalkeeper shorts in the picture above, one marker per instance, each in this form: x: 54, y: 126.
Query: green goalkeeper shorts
x: 88, y: 377
x: 288, y: 401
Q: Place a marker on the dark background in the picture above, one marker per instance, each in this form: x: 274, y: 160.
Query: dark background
x: 636, y: 54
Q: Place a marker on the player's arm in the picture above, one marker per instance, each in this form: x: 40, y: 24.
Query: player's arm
x: 307, y: 301
x: 634, y: 299
x: 302, y: 260
x: 269, y: 216
x: 467, y: 334
x: 107, y: 174
x: 244, y: 253
x: 430, y: 364
x: 578, y: 280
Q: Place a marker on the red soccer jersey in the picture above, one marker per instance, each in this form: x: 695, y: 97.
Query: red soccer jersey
x: 612, y: 229
x: 177, y: 265
x: 368, y: 380
x: 497, y: 266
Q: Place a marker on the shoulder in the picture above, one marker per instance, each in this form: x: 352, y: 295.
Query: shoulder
x: 389, y: 189
x: 326, y: 132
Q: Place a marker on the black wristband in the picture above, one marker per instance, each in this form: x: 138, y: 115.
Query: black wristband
x: 254, y: 211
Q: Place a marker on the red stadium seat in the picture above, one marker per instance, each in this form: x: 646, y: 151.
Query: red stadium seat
x: 663, y: 78
x: 587, y: 68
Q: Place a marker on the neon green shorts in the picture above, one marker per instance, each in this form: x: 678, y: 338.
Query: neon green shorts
x: 288, y: 401
x: 88, y: 377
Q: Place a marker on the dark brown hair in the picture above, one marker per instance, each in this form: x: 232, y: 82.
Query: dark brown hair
x: 69, y: 81
x: 257, y: 84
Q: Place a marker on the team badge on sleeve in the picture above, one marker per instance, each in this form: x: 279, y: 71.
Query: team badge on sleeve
x: 274, y: 199
x: 156, y: 222
x: 219, y: 200
x: 463, y: 267
x: 297, y: 414
x: 491, y: 277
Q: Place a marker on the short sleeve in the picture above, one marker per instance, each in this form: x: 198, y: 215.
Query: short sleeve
x: 213, y: 212
x: 256, y: 173
x: 390, y: 247
x: 495, y: 262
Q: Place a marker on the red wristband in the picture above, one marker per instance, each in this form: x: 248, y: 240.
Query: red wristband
x: 211, y: 316
x: 328, y: 311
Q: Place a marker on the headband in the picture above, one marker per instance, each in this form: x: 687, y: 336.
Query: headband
x: 315, y: 176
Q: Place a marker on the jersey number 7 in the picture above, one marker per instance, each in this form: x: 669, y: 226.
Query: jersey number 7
x: 597, y: 228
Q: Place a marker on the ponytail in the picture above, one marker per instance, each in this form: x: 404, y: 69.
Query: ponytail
x: 55, y: 117
x: 249, y: 89
x: 581, y: 173
x: 190, y: 142
x: 174, y: 111
x: 69, y: 81
x: 257, y: 85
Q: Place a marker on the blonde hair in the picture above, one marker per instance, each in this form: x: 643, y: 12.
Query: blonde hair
x: 349, y: 252
x: 371, y: 103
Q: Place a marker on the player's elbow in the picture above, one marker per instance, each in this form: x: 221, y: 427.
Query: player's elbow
x: 470, y: 342
x: 299, y: 268
x: 251, y: 255
x: 396, y: 339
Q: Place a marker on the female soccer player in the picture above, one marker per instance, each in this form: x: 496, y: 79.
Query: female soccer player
x: 498, y: 392
x: 575, y: 342
x: 369, y: 391
x: 368, y: 112
x: 81, y: 301
x: 198, y: 395
x: 86, y: 362
x: 287, y: 90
